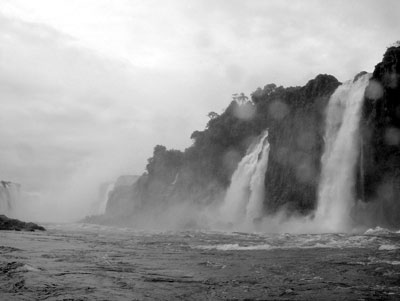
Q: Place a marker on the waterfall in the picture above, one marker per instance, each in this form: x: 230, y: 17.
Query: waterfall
x: 244, y: 197
x: 336, y: 193
x: 104, y: 198
x: 9, y: 195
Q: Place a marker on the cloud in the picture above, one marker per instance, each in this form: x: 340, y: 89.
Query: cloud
x: 71, y: 119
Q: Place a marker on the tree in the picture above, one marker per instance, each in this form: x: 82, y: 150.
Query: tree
x: 212, y: 115
x: 240, y: 98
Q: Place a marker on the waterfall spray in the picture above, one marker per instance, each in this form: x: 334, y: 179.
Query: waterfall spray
x: 244, y: 197
x: 338, y: 173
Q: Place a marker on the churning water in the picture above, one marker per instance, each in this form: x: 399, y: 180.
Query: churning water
x: 88, y: 262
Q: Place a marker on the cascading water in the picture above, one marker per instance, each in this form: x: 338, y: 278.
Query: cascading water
x: 338, y: 173
x: 244, y: 197
x: 104, y: 198
x: 9, y: 195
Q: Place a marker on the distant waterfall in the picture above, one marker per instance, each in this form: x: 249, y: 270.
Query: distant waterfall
x: 104, y: 198
x: 9, y: 195
x: 244, y: 197
x: 338, y: 173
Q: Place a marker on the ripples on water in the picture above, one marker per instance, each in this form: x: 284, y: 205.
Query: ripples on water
x: 90, y: 262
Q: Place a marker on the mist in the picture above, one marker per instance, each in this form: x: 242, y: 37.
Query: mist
x: 86, y: 96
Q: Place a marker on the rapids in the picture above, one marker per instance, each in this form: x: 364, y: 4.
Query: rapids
x: 89, y: 262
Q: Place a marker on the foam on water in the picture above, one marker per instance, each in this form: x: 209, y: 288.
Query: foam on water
x: 235, y: 247
x: 289, y: 241
x: 380, y: 231
x: 388, y: 247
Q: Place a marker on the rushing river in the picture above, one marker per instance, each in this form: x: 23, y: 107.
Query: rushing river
x: 87, y: 262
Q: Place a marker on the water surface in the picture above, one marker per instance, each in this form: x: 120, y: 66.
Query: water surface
x: 87, y: 262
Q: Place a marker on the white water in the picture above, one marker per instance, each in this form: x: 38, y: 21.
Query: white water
x: 103, y: 204
x: 9, y: 195
x: 338, y: 174
x: 244, y: 197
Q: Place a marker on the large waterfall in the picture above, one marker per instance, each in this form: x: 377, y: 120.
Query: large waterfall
x: 244, y: 197
x: 336, y: 193
x: 9, y: 195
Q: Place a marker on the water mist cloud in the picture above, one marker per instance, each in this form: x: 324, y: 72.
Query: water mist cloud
x: 71, y: 119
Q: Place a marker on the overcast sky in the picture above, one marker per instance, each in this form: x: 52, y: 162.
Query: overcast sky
x: 88, y: 88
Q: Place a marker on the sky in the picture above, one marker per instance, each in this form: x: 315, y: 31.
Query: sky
x: 88, y: 88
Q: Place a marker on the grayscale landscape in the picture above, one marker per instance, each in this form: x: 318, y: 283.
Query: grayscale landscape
x: 200, y: 150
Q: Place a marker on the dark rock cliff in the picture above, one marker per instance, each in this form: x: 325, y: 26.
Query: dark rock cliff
x: 379, y: 172
x: 296, y: 140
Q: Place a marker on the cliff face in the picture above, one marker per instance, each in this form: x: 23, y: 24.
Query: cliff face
x: 296, y: 139
x: 379, y: 173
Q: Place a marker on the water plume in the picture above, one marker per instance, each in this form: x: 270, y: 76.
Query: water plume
x: 244, y: 198
x: 336, y: 193
x: 104, y: 195
x: 9, y: 196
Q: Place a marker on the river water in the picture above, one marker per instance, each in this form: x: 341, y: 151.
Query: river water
x: 89, y: 262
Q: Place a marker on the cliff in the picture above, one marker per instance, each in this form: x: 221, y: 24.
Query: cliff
x: 379, y: 173
x: 295, y: 119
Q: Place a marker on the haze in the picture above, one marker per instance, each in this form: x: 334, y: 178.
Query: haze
x: 88, y: 88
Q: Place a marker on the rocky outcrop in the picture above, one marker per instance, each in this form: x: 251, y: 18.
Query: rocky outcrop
x: 17, y: 225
